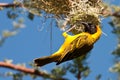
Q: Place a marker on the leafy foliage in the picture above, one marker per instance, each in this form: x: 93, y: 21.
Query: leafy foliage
x: 12, y: 32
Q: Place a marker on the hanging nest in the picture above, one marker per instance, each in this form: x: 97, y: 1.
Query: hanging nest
x: 70, y: 12
x: 56, y: 7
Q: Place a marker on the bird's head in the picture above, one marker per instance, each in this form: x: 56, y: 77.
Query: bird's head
x: 90, y: 28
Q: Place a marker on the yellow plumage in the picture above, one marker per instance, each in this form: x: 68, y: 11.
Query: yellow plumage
x: 73, y: 47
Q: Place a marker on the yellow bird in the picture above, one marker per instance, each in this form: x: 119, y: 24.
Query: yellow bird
x: 73, y: 46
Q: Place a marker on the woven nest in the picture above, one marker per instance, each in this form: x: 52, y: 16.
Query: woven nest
x: 72, y: 11
x: 56, y: 7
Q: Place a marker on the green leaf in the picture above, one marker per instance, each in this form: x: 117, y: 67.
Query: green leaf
x: 12, y: 15
x: 98, y: 77
x: 31, y: 16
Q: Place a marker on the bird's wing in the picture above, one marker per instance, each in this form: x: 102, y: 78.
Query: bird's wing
x: 75, y: 45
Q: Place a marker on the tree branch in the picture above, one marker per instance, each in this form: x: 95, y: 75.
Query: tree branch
x: 10, y: 5
x: 116, y: 14
x: 79, y: 75
x: 25, y: 70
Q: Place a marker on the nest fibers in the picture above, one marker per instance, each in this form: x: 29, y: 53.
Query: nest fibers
x: 70, y: 12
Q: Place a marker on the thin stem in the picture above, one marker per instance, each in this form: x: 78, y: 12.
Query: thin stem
x: 10, y: 5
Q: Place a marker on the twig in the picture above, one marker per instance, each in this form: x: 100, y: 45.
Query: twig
x: 79, y: 75
x: 25, y: 70
x: 10, y: 5
x: 116, y: 14
x: 71, y: 28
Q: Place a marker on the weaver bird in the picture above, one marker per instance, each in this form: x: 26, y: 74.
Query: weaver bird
x: 73, y: 46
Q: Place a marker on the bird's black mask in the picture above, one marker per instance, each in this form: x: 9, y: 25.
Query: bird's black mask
x: 90, y: 28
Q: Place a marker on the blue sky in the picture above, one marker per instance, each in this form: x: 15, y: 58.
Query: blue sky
x: 30, y: 43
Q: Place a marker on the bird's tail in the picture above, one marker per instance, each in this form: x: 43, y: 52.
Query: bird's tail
x: 44, y: 60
